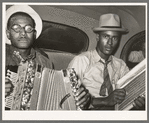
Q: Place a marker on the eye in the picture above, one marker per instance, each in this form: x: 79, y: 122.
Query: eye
x: 16, y: 28
x: 28, y: 28
x: 106, y: 36
x: 115, y: 38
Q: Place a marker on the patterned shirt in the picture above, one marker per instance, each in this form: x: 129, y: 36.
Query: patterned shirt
x: 13, y: 58
x: 90, y: 70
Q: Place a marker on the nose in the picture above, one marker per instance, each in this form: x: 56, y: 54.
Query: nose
x: 22, y: 32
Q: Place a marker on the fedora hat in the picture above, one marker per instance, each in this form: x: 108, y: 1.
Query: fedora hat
x: 110, y: 22
x: 26, y: 9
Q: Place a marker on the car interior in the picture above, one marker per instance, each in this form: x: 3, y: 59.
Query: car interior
x: 67, y: 30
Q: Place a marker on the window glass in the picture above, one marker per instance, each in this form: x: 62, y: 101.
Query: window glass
x: 62, y: 37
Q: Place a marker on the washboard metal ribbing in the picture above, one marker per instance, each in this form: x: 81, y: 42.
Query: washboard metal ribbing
x: 134, y: 84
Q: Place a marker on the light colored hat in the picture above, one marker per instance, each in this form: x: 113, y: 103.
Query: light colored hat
x: 26, y: 9
x: 110, y: 22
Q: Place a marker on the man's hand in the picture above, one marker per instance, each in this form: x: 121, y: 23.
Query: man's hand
x: 82, y: 98
x: 116, y: 97
x: 139, y: 103
x: 8, y: 87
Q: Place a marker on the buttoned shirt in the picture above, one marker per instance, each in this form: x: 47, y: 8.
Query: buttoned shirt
x: 90, y: 70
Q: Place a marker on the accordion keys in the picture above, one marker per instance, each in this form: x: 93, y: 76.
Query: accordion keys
x: 52, y: 89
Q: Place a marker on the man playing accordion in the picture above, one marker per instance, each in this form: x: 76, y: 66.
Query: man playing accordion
x: 23, y: 26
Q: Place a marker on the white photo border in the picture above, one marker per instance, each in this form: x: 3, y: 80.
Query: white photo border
x: 67, y: 115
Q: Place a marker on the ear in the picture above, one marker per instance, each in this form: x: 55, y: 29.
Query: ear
x: 8, y: 34
x: 97, y: 37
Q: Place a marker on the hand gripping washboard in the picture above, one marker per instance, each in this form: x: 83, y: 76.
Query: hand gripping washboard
x: 134, y: 84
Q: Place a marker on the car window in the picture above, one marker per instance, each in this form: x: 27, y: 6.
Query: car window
x: 62, y: 37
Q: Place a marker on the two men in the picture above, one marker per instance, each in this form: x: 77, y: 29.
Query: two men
x: 23, y: 26
x: 99, y: 70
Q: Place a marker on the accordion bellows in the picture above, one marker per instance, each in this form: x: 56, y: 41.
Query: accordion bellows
x: 134, y: 84
x: 52, y: 90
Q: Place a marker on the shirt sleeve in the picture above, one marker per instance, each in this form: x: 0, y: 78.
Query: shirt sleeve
x: 124, y: 69
x: 79, y: 63
x: 44, y: 61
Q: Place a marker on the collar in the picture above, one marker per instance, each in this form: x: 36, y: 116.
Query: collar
x: 97, y: 57
x: 32, y: 54
x: 29, y: 57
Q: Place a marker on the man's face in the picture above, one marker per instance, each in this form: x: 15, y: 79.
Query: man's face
x: 107, y: 42
x: 21, y: 39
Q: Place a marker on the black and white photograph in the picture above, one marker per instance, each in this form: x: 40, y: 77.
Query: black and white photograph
x: 74, y: 61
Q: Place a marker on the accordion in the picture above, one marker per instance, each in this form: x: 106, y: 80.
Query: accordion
x: 134, y: 84
x: 52, y: 89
